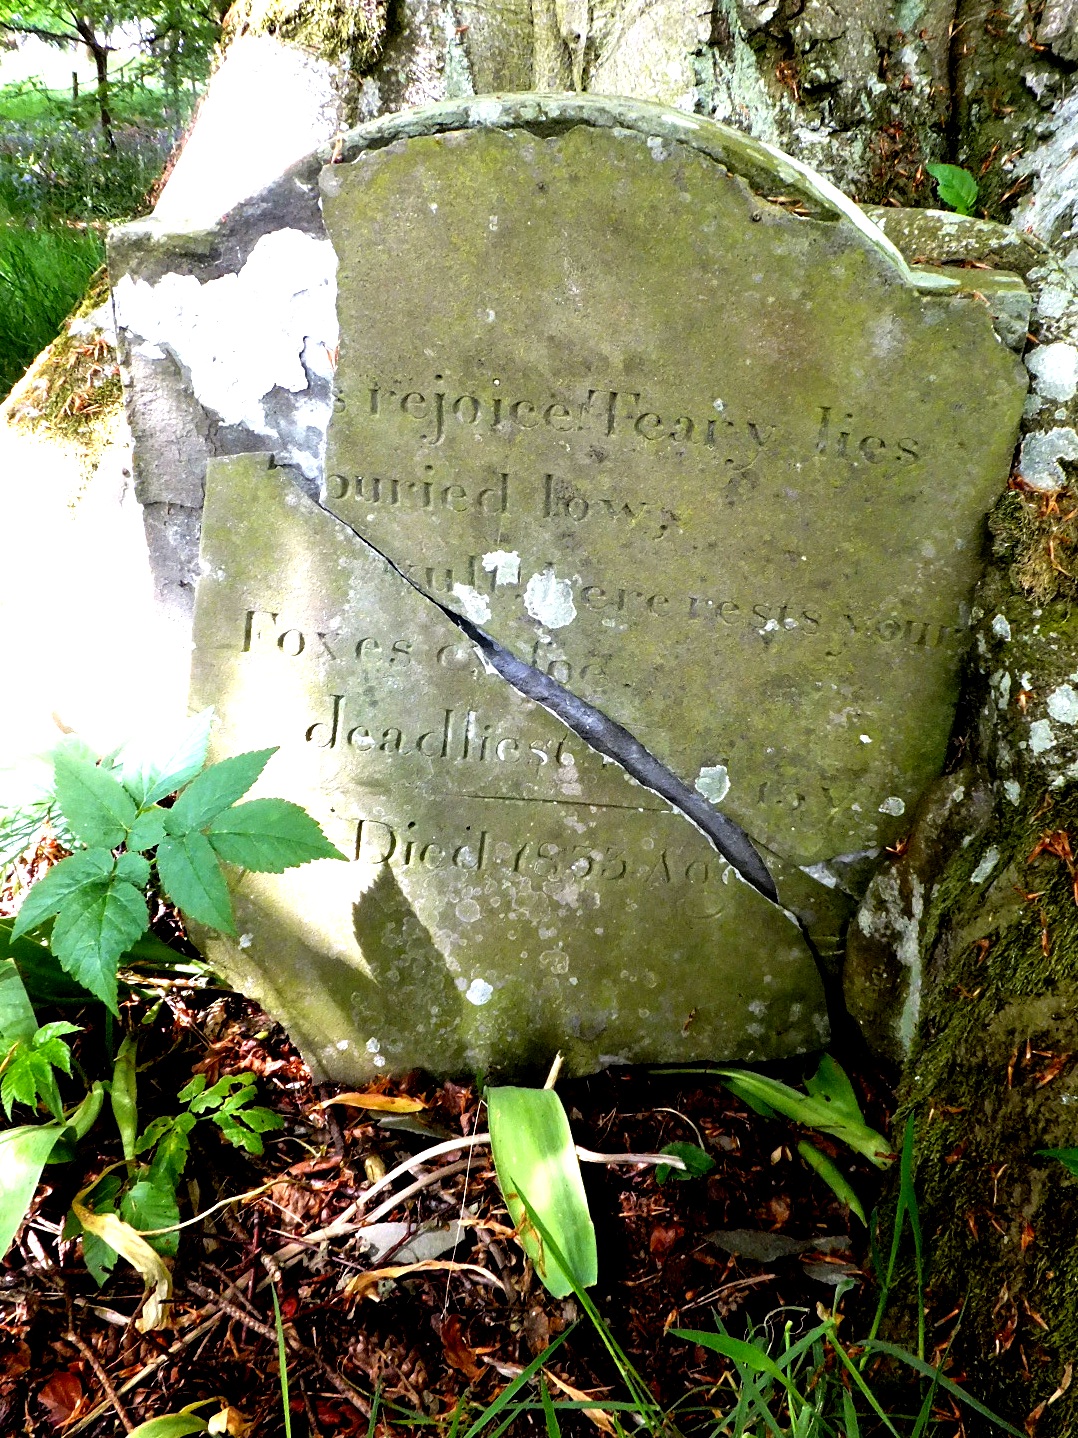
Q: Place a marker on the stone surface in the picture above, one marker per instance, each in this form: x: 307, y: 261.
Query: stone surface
x: 508, y: 893
x: 720, y: 468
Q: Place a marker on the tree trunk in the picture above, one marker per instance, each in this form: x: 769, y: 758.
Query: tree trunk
x: 99, y: 52
x: 980, y: 907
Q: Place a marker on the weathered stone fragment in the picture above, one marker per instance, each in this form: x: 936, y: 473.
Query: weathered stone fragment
x: 508, y: 893
x: 718, y: 466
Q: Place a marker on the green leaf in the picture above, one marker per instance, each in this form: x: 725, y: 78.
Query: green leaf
x: 836, y: 1181
x: 124, y: 1096
x: 696, y: 1162
x: 830, y: 1106
x: 24, y: 1151
x: 147, y: 831
x: 49, y: 894
x: 214, y: 790
x: 28, y: 1068
x: 97, y: 807
x: 200, y: 1099
x: 191, y: 877
x: 956, y: 186
x: 167, y: 1136
x: 39, y: 969
x: 534, y: 1154
x: 98, y: 923
x: 170, y: 1425
x: 134, y: 868
x: 269, y: 836
x: 151, y: 1203
x: 1068, y: 1157
x: 17, y: 1019
x: 98, y: 1256
x: 153, y: 766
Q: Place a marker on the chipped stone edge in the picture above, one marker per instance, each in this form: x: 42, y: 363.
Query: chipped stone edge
x: 754, y: 161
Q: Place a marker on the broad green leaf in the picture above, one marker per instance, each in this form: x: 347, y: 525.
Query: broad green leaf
x: 696, y: 1162
x: 97, y: 807
x: 147, y: 831
x: 534, y: 1154
x: 170, y: 1425
x: 214, y: 790
x: 134, y: 868
x: 124, y: 1096
x: 150, y: 1204
x: 835, y: 1179
x: 111, y: 1229
x: 956, y: 186
x: 155, y: 765
x: 97, y: 924
x: 1068, y: 1157
x: 39, y: 969
x: 17, y: 1019
x: 24, y: 1151
x: 191, y: 877
x: 269, y: 836
x: 49, y: 894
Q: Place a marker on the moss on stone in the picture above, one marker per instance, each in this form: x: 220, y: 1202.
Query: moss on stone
x: 1036, y: 537
x: 352, y: 30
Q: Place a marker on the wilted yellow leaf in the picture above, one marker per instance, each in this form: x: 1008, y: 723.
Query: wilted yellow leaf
x: 231, y: 1421
x: 384, y: 1102
x: 362, y: 1284
x: 130, y: 1244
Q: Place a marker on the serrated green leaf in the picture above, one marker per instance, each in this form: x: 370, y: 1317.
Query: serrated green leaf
x: 191, y: 877
x: 262, y: 1120
x: 147, y: 831
x: 97, y: 924
x: 269, y: 836
x: 134, y: 868
x: 24, y: 1151
x: 192, y: 1089
x: 97, y: 807
x: 956, y: 186
x: 168, y: 1138
x: 151, y: 1203
x: 212, y: 791
x: 17, y: 1019
x: 201, y: 1099
x: 238, y: 1135
x: 49, y: 894
x: 156, y: 765
x: 534, y: 1154
x: 696, y: 1161
x: 836, y: 1181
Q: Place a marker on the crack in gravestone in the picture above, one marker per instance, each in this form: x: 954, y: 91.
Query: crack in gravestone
x: 607, y: 738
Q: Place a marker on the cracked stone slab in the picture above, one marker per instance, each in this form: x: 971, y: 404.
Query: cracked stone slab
x: 719, y: 468
x: 507, y: 892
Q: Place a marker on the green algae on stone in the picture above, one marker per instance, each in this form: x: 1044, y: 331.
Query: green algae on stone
x: 510, y: 893
x: 718, y: 468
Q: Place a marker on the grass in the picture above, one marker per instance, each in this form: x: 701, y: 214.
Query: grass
x: 44, y: 272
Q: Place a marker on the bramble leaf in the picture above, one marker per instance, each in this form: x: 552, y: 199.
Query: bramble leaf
x: 696, y: 1162
x: 134, y: 868
x: 51, y: 893
x: 97, y: 807
x: 212, y: 791
x: 147, y: 831
x: 153, y: 767
x: 191, y: 877
x: 956, y: 187
x: 99, y: 922
x: 269, y: 836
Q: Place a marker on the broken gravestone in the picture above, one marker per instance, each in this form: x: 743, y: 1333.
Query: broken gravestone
x: 639, y: 423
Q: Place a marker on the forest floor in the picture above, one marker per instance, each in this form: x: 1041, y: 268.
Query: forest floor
x: 425, y: 1298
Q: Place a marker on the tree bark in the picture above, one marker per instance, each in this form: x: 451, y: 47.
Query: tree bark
x: 867, y: 92
x: 99, y: 52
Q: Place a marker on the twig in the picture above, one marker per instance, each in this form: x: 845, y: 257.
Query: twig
x: 147, y: 1370
x: 102, y: 1377
x: 586, y: 1155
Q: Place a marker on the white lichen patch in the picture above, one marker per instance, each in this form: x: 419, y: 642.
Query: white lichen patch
x: 1041, y: 454
x: 893, y: 805
x: 713, y: 781
x: 1041, y: 738
x: 1062, y: 704
x: 476, y: 606
x: 988, y: 862
x: 1055, y: 370
x: 479, y: 992
x: 549, y: 599
x: 504, y: 565
x: 1001, y: 627
x: 1012, y: 789
x: 244, y: 334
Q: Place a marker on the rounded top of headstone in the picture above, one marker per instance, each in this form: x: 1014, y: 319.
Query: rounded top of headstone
x: 767, y: 170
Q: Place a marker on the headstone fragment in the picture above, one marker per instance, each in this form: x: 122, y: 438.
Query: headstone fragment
x: 509, y: 893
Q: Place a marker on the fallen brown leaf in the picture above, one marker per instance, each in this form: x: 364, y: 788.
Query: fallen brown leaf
x: 61, y: 1395
x: 361, y: 1285
x: 599, y: 1416
x: 458, y: 1354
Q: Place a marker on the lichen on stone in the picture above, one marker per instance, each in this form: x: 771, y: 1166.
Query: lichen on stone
x: 352, y: 30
